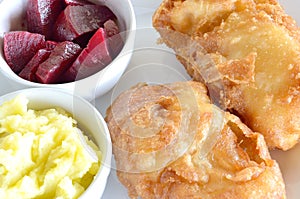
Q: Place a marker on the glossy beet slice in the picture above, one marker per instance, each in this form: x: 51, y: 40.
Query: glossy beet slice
x: 77, y: 2
x: 92, y: 59
x: 20, y: 47
x: 30, y: 69
x: 114, y: 39
x: 59, y: 61
x: 42, y: 14
x: 75, y: 21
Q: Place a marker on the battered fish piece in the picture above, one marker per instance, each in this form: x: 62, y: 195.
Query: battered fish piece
x: 252, y: 54
x: 170, y: 141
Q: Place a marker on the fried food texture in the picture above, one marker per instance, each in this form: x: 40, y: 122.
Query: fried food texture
x: 170, y: 141
x: 248, y: 54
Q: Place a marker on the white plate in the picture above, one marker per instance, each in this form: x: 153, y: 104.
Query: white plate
x: 154, y: 63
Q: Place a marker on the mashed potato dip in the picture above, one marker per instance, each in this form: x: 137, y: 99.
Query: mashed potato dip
x: 43, y: 154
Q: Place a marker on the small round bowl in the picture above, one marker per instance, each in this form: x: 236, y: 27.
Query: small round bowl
x: 12, y: 14
x: 89, y: 120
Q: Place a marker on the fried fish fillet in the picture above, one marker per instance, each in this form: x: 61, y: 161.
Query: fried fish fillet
x: 170, y: 141
x: 253, y: 51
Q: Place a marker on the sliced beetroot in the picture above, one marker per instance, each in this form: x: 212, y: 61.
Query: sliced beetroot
x: 114, y: 40
x: 60, y: 59
x: 75, y: 21
x: 20, y: 47
x: 42, y: 14
x: 30, y: 69
x: 77, y: 2
x: 92, y: 59
x: 50, y: 45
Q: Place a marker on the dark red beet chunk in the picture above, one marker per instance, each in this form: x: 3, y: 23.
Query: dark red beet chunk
x: 92, y: 59
x: 20, y: 47
x: 59, y: 61
x: 114, y: 40
x: 75, y: 21
x: 77, y: 2
x: 42, y: 14
x: 30, y: 69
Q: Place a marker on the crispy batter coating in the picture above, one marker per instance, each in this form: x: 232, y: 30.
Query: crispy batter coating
x: 254, y: 47
x: 170, y: 141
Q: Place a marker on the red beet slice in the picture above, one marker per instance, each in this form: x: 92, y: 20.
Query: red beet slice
x: 42, y: 14
x: 114, y: 40
x: 92, y: 59
x: 77, y: 2
x: 20, y: 47
x: 59, y: 61
x: 75, y: 21
x: 30, y: 69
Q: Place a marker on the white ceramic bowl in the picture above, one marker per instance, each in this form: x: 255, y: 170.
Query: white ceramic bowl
x: 12, y: 14
x: 88, y: 118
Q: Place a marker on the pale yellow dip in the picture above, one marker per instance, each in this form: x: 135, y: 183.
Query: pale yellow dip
x: 42, y: 153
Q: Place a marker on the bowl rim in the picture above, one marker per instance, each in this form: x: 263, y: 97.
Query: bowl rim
x: 105, y: 166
